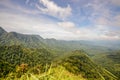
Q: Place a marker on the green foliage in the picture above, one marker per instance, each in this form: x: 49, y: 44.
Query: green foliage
x: 110, y: 61
x: 5, y: 68
x: 29, y: 57
x: 51, y: 73
x: 36, y: 41
x: 79, y: 63
x: 26, y: 62
x: 16, y: 56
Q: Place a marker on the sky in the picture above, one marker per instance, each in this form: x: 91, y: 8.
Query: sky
x: 63, y: 19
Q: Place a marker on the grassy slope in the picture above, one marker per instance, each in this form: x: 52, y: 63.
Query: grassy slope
x: 56, y: 73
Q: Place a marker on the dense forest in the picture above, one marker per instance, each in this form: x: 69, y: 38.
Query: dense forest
x: 30, y: 57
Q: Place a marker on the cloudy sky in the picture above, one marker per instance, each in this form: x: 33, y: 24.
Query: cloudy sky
x: 63, y: 19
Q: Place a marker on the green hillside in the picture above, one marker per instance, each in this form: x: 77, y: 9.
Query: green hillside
x: 18, y: 62
x: 110, y: 61
x: 31, y: 57
x: 14, y: 56
x: 13, y: 38
x: 79, y: 63
x: 36, y: 41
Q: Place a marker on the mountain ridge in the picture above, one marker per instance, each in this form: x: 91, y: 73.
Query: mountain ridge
x: 36, y: 41
x: 14, y: 38
x: 35, y: 51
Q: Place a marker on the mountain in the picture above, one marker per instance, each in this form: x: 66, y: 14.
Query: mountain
x: 36, y: 41
x: 2, y: 31
x: 31, y: 56
x: 13, y: 38
x: 75, y: 45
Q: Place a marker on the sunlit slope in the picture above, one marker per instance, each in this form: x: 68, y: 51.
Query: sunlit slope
x: 79, y: 63
x: 110, y: 61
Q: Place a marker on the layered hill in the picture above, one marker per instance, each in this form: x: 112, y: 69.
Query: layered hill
x: 27, y: 56
x: 36, y: 41
x: 110, y: 61
x: 13, y: 38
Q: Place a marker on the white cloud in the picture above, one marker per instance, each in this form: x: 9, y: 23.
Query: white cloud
x: 116, y: 21
x: 66, y: 24
x: 116, y: 2
x: 67, y: 30
x: 102, y: 14
x: 32, y: 25
x: 106, y: 37
x: 113, y: 33
x: 101, y: 21
x: 11, y: 7
x: 44, y: 27
x: 50, y: 29
x: 113, y: 21
x: 53, y: 9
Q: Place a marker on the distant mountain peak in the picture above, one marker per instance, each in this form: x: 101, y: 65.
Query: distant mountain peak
x: 2, y: 31
x: 14, y: 38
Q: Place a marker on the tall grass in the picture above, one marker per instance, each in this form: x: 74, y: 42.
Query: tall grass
x: 51, y: 73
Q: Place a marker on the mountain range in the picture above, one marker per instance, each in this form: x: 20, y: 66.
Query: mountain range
x: 29, y: 57
x: 36, y: 41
